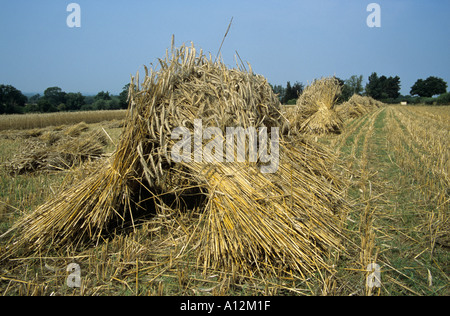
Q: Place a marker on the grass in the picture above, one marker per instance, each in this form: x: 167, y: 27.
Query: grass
x: 400, y: 207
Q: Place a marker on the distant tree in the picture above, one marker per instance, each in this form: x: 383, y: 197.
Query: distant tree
x: 114, y: 103
x: 278, y: 90
x: 45, y: 106
x: 392, y: 87
x: 298, y: 89
x: 345, y: 93
x: 419, y: 88
x: 373, y: 88
x: 354, y: 84
x: 31, y: 107
x: 429, y: 87
x: 11, y: 99
x: 87, y: 107
x: 292, y: 92
x: 74, y: 101
x: 382, y: 82
x: 100, y: 104
x: 123, y: 97
x: 88, y: 100
x: 436, y: 85
x: 443, y: 99
x: 383, y: 87
x: 61, y: 107
x: 287, y: 93
x: 102, y: 95
x: 55, y: 96
x: 33, y: 99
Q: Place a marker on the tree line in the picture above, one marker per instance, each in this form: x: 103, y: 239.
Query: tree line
x: 55, y: 99
x: 382, y: 88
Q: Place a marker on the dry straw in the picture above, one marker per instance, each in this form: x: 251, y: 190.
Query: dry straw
x: 58, y: 151
x: 290, y: 218
x: 315, y: 109
x: 358, y: 106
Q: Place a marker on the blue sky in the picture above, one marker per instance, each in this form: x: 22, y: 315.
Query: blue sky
x: 284, y: 40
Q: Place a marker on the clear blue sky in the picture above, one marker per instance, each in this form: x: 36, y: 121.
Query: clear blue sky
x: 284, y: 40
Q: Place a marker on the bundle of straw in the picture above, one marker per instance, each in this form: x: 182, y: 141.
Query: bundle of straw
x: 357, y: 106
x: 53, y: 151
x: 187, y: 86
x: 315, y: 109
x: 290, y: 216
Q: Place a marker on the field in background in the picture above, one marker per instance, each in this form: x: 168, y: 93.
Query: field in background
x: 28, y: 121
x: 397, y: 160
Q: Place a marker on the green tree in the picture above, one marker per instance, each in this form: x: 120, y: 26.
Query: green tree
x: 392, y: 87
x: 102, y: 95
x: 292, y: 92
x: 298, y: 89
x: 373, y: 88
x: 382, y: 82
x: 11, y: 99
x: 88, y: 100
x: 443, y: 99
x: 278, y: 90
x: 123, y: 97
x: 354, y: 84
x: 45, y: 106
x: 287, y: 93
x: 429, y: 87
x: 383, y: 87
x: 345, y: 91
x: 114, y: 103
x: 55, y: 96
x: 418, y: 88
x: 349, y: 87
x: 100, y: 104
x: 74, y: 101
x: 33, y: 99
x: 31, y: 107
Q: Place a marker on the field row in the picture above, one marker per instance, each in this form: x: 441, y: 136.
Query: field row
x: 398, y: 166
